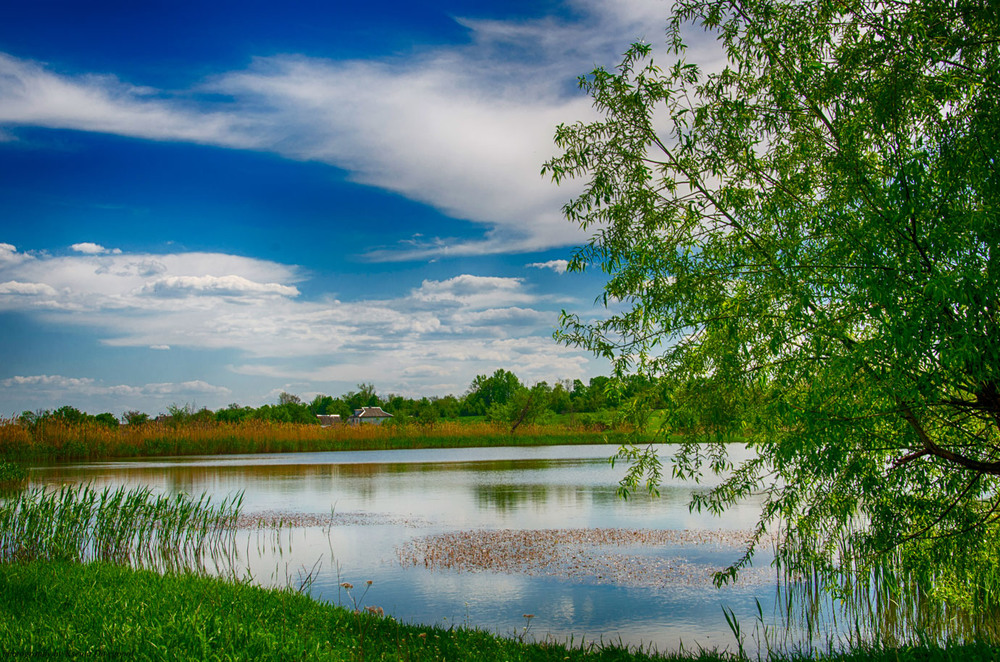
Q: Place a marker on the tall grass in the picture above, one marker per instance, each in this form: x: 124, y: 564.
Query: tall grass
x: 58, y: 440
x: 124, y: 526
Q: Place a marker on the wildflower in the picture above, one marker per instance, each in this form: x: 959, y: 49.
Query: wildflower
x: 347, y: 585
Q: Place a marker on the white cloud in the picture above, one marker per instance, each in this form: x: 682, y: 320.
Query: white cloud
x: 94, y: 283
x: 195, y: 387
x: 172, y: 286
x: 32, y: 95
x: 464, y: 325
x: 47, y: 380
x: 468, y: 290
x: 503, y: 320
x: 463, y: 128
x: 69, y: 388
x: 26, y: 289
x: 411, y: 368
x: 10, y: 256
x: 89, y: 248
x: 558, y: 266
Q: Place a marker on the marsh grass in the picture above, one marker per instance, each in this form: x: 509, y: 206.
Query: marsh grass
x: 12, y: 476
x: 58, y: 440
x: 124, y: 526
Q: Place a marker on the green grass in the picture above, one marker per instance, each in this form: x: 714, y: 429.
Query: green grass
x: 63, y: 610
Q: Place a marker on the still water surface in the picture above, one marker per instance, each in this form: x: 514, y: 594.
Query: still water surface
x: 379, y: 503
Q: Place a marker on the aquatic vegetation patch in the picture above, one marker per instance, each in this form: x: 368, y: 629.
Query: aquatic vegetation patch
x: 282, y: 519
x: 12, y: 475
x: 601, y: 556
x: 125, y: 526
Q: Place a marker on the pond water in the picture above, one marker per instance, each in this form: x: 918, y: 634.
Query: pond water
x: 479, y: 537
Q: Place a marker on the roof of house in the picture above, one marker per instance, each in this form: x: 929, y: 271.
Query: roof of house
x: 371, y: 412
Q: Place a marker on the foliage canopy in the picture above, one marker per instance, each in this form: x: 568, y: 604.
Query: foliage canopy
x: 805, y: 242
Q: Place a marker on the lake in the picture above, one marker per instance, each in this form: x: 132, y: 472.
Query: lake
x: 479, y: 537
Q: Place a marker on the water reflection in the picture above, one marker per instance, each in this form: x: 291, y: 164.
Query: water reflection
x: 386, y: 500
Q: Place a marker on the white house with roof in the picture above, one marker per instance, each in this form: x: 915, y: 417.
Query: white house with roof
x: 373, y: 415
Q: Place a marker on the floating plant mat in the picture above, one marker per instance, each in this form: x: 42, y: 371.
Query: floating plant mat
x: 623, y: 557
x: 273, y: 518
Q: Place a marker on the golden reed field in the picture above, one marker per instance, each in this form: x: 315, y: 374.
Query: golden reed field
x: 90, y: 440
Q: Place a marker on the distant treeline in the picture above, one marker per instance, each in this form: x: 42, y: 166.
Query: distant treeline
x: 500, y: 397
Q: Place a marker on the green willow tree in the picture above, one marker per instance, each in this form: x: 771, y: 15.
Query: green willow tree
x: 804, y: 243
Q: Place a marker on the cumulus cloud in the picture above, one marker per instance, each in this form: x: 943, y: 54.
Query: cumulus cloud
x: 95, y: 283
x: 558, y: 266
x: 10, y: 256
x: 27, y: 289
x: 94, y: 395
x: 438, y: 335
x: 414, y: 367
x: 215, y: 285
x: 464, y: 325
x: 89, y: 248
x: 468, y: 290
x: 47, y: 380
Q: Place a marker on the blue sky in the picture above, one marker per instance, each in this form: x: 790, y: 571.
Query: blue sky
x: 215, y: 202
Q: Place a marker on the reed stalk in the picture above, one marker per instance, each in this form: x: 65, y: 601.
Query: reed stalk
x: 124, y: 526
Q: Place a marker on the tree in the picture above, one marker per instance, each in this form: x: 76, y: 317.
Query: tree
x: 134, y: 417
x: 285, y: 398
x: 234, y: 413
x: 497, y: 389
x: 805, y: 242
x: 68, y: 414
x: 365, y: 397
x: 107, y: 419
x: 523, y: 406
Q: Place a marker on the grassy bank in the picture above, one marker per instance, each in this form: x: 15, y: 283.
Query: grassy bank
x: 57, y: 440
x: 69, y: 589
x: 59, y: 610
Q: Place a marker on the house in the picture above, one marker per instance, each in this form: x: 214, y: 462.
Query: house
x: 326, y: 420
x: 369, y: 415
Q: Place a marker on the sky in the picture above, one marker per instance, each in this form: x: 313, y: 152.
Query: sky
x: 213, y: 202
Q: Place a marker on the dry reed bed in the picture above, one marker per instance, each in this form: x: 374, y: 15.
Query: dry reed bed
x: 59, y: 440
x: 601, y: 556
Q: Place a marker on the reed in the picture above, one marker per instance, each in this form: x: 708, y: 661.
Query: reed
x: 124, y: 526
x: 59, y: 440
